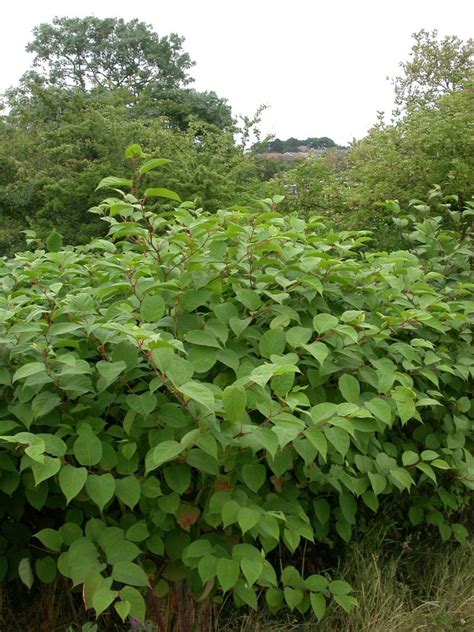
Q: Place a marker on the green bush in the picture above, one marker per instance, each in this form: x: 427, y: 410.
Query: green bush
x: 190, y: 404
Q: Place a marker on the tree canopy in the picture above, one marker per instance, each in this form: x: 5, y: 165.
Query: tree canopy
x: 108, y: 53
x: 436, y: 67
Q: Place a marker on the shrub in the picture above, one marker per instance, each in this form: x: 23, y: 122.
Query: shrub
x: 188, y: 405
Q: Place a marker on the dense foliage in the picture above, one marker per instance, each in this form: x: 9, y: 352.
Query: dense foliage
x: 436, y: 67
x: 54, y: 149
x: 191, y: 403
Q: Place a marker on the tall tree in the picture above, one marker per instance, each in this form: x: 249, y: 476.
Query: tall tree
x: 182, y: 106
x: 436, y: 67
x: 108, y: 53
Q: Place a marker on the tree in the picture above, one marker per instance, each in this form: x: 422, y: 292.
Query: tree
x: 108, y: 53
x: 436, y: 67
x: 181, y: 106
x: 55, y: 147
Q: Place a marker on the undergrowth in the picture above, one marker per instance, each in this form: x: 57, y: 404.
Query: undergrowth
x: 400, y: 586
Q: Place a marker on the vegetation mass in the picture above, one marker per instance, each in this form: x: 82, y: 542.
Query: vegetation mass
x: 213, y: 404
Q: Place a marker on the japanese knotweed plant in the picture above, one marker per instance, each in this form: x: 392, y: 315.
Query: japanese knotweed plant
x: 201, y: 403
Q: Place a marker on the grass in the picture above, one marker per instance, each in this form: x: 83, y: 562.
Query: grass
x: 400, y: 587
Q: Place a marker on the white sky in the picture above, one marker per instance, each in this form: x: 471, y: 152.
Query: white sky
x: 321, y: 66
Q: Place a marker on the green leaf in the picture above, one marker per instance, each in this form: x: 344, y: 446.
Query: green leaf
x: 44, y: 403
x: 268, y: 440
x: 263, y: 373
x: 350, y: 388
x: 25, y: 572
x: 254, y: 475
x: 252, y: 569
x: 228, y: 572
x: 72, y: 480
x: 202, y: 358
x: 152, y: 308
x: 199, y: 393
x: 154, y: 163
x: 428, y: 470
x: 102, y: 598
x: 207, y: 568
x: 54, y: 241
x: 43, y: 471
x: 136, y: 601
x: 272, y: 342
x: 111, y: 182
x: 415, y: 515
x: 410, y: 458
x: 347, y: 602
x: 204, y: 338
x: 293, y: 596
x: 406, y: 409
x: 46, y: 570
x: 249, y: 298
x: 110, y: 370
x: 318, y: 440
x: 318, y: 350
x: 197, y: 549
x: 371, y: 500
x: 460, y: 532
x: 234, y: 400
x: 322, y: 510
x: 246, y: 594
x: 339, y: 439
x: 161, y: 453
x: 380, y: 409
x: 274, y: 598
x: 401, y: 478
x: 50, y: 538
x: 378, y: 482
x: 318, y: 604
x: 348, y: 507
x: 178, y: 477
x: 322, y: 412
x: 122, y: 608
x: 120, y: 550
x: 198, y: 459
x: 164, y: 193
x: 134, y: 151
x: 143, y: 404
x: 100, y: 488
x: 87, y: 447
x: 429, y: 455
x: 126, y: 352
x: 339, y: 587
x: 128, y: 490
x: 247, y: 518
x: 31, y: 368
x: 138, y: 532
x: 129, y: 573
x: 298, y: 336
x: 440, y: 464
x: 316, y: 583
x: 324, y: 322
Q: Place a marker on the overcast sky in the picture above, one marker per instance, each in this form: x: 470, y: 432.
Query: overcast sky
x: 322, y: 67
